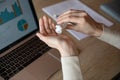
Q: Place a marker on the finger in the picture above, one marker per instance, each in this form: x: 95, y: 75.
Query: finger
x: 53, y: 26
x: 41, y: 37
x: 53, y: 30
x: 67, y: 12
x: 80, y: 14
x: 70, y: 27
x: 76, y: 14
x: 73, y: 19
x: 41, y: 26
x: 72, y: 11
x: 50, y: 25
x: 68, y: 15
x: 46, y: 24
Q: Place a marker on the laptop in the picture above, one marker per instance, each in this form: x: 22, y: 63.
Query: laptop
x: 23, y: 56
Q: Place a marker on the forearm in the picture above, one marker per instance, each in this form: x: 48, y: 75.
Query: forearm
x: 71, y: 68
x: 110, y: 37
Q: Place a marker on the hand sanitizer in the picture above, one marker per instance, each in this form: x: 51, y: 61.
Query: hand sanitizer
x: 59, y: 27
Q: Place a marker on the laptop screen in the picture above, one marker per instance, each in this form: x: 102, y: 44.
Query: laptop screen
x: 17, y: 20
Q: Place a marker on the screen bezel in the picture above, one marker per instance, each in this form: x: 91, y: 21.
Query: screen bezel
x: 26, y: 36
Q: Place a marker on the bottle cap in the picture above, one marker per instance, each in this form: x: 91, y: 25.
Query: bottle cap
x: 58, y: 29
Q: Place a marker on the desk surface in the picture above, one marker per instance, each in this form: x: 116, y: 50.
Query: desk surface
x: 99, y: 61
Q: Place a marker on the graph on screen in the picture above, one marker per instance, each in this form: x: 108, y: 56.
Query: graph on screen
x: 10, y: 12
x: 22, y: 25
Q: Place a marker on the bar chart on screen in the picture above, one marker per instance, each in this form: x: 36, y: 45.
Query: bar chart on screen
x: 10, y: 12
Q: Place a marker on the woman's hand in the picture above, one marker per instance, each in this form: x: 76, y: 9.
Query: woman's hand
x: 61, y: 42
x: 84, y: 23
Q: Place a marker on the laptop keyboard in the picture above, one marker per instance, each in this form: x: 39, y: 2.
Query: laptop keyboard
x: 21, y: 57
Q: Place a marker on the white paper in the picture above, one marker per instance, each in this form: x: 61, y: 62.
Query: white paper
x: 61, y: 7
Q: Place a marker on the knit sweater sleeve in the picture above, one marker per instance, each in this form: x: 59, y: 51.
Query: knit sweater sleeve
x: 111, y: 37
x: 71, y: 68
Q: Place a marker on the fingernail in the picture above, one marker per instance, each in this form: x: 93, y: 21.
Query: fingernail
x: 44, y: 17
x: 58, y: 22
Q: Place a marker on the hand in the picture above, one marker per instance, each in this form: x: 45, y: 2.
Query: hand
x: 84, y: 23
x: 61, y: 42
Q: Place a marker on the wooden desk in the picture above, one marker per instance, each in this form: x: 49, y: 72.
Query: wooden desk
x: 99, y: 61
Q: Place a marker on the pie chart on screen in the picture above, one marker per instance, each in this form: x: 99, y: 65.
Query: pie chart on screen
x: 22, y: 25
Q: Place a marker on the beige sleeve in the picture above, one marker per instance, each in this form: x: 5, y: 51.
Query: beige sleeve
x: 111, y: 37
x: 71, y: 68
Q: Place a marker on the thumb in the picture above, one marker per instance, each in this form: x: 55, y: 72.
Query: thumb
x: 70, y: 27
x: 40, y: 36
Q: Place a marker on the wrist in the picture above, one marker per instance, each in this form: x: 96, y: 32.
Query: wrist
x: 67, y: 52
x: 99, y: 30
